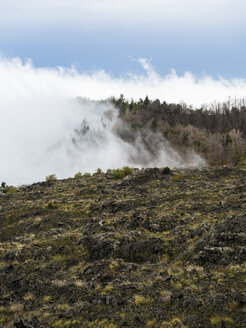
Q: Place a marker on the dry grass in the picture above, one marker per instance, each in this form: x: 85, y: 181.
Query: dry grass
x: 16, y: 308
x: 28, y: 297
x: 59, y: 283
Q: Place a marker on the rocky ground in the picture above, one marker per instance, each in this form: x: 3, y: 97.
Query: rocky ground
x: 149, y: 250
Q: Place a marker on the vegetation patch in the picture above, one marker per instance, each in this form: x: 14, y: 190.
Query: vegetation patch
x: 145, y: 250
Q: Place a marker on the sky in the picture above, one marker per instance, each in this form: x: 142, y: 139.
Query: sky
x: 54, y: 51
x: 202, y: 37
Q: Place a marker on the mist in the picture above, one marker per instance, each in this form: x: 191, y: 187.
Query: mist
x: 52, y: 123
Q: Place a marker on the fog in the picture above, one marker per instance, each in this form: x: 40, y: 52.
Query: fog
x: 45, y: 128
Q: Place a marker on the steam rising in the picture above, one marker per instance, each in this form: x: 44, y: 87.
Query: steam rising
x: 46, y: 129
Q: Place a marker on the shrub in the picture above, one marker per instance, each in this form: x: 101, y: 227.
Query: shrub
x: 47, y: 299
x: 166, y: 170
x: 51, y: 205
x: 86, y: 175
x: 3, y: 187
x: 99, y: 171
x: 119, y: 174
x: 140, y: 300
x: 151, y: 323
x: 11, y: 190
x: 16, y: 307
x: 51, y: 178
x: 107, y: 289
x: 216, y: 320
x: 127, y: 170
x: 78, y: 175
x: 177, y: 178
x: 114, y: 265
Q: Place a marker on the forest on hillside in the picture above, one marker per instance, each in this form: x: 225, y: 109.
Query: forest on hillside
x: 217, y: 132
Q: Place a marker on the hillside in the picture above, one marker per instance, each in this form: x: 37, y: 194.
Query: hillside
x: 154, y: 249
x: 217, y: 131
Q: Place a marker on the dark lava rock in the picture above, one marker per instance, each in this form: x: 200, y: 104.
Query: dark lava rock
x: 104, y: 246
x: 225, y: 244
x: 141, y: 251
x: 144, y: 251
x: 31, y: 323
x: 100, y: 246
x: 20, y: 324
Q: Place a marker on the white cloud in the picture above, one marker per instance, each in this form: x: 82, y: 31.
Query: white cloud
x: 23, y: 79
x: 39, y: 114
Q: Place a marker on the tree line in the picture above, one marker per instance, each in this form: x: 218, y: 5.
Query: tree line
x: 216, y: 131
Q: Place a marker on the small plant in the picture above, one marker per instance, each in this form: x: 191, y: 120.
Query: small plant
x: 151, y: 323
x: 228, y: 320
x: 78, y: 175
x: 28, y: 297
x: 179, y: 286
x: 119, y: 174
x: 51, y: 205
x: 62, y: 307
x: 166, y: 170
x: 127, y: 170
x: 4, y: 187
x: 99, y: 171
x: 177, y: 178
x: 86, y: 175
x: 47, y: 299
x: 58, y: 323
x: 11, y: 190
x: 51, y: 178
x: 176, y: 321
x: 140, y: 300
x: 107, y: 289
x: 3, y: 320
x: 217, y: 320
x: 16, y: 308
x: 114, y: 265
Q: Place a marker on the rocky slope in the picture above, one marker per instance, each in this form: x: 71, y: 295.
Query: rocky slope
x: 148, y: 250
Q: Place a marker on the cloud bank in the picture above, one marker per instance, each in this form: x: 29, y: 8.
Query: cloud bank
x: 39, y: 114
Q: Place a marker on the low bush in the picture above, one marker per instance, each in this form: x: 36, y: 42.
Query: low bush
x: 119, y: 174
x: 51, y: 205
x: 127, y: 170
x: 78, y: 175
x: 177, y: 178
x: 51, y: 178
x: 11, y: 190
x: 166, y: 170
x: 122, y: 173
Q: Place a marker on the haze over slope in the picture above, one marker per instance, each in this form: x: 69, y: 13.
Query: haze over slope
x: 40, y: 113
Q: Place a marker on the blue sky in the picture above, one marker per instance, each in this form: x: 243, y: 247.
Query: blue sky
x: 203, y: 37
